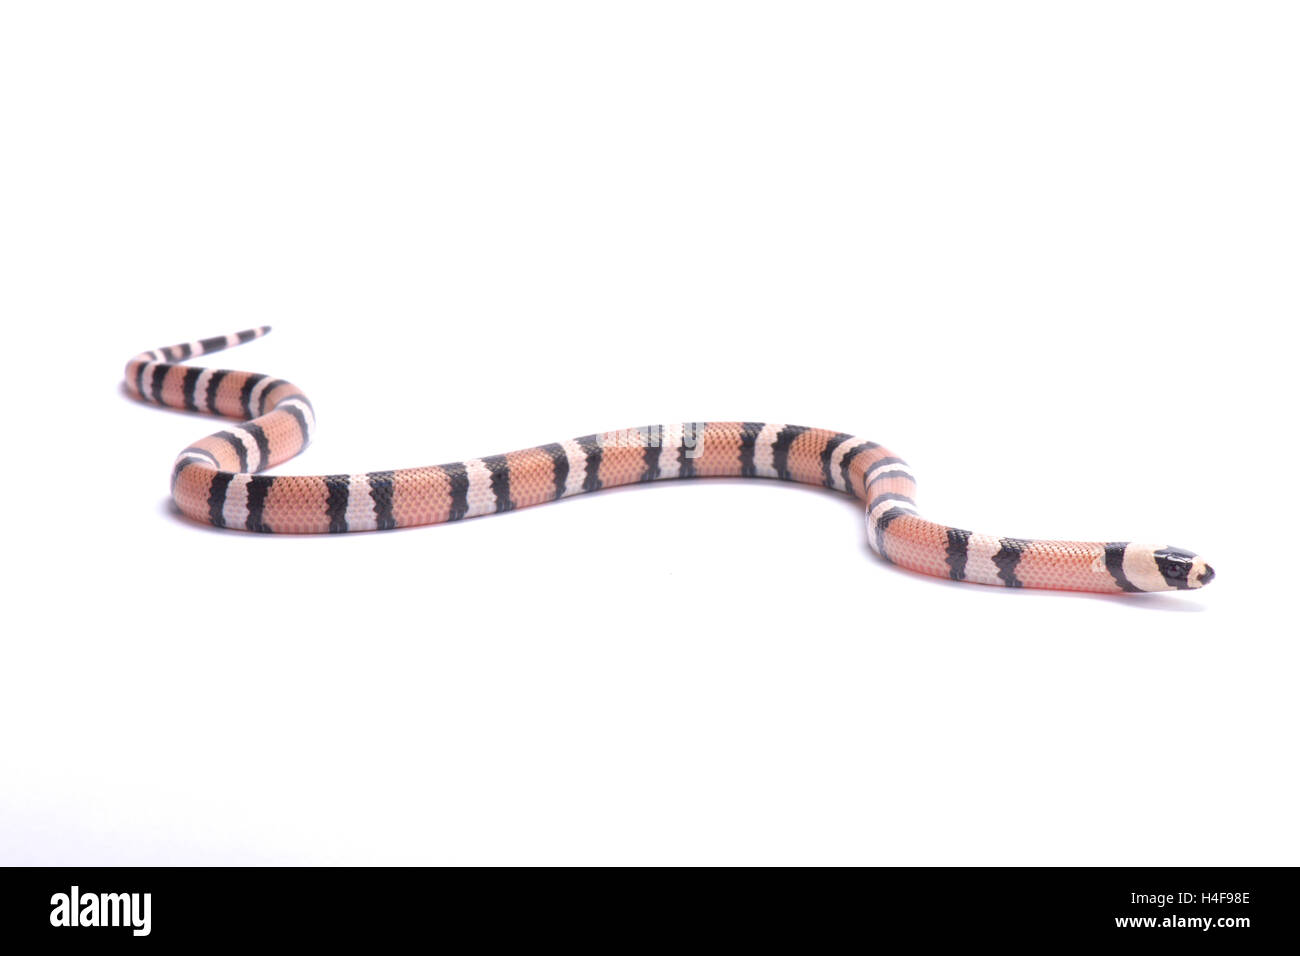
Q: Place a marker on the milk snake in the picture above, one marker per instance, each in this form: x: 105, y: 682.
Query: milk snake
x: 216, y: 480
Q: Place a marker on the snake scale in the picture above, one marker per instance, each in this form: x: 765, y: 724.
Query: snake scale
x: 216, y: 480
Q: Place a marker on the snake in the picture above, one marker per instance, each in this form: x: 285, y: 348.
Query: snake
x: 217, y: 480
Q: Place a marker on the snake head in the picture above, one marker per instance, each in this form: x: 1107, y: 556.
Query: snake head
x: 1181, y: 569
x: 1154, y: 567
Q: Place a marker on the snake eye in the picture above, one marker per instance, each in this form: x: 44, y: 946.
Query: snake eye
x: 1175, y: 565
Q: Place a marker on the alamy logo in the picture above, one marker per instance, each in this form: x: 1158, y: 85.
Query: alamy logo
x: 101, y: 909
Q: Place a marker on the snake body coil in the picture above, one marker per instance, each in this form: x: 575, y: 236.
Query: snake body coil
x: 215, y: 480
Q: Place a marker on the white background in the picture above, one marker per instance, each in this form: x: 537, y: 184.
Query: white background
x: 1046, y: 252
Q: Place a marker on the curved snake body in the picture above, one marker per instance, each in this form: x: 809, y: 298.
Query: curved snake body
x: 217, y: 480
